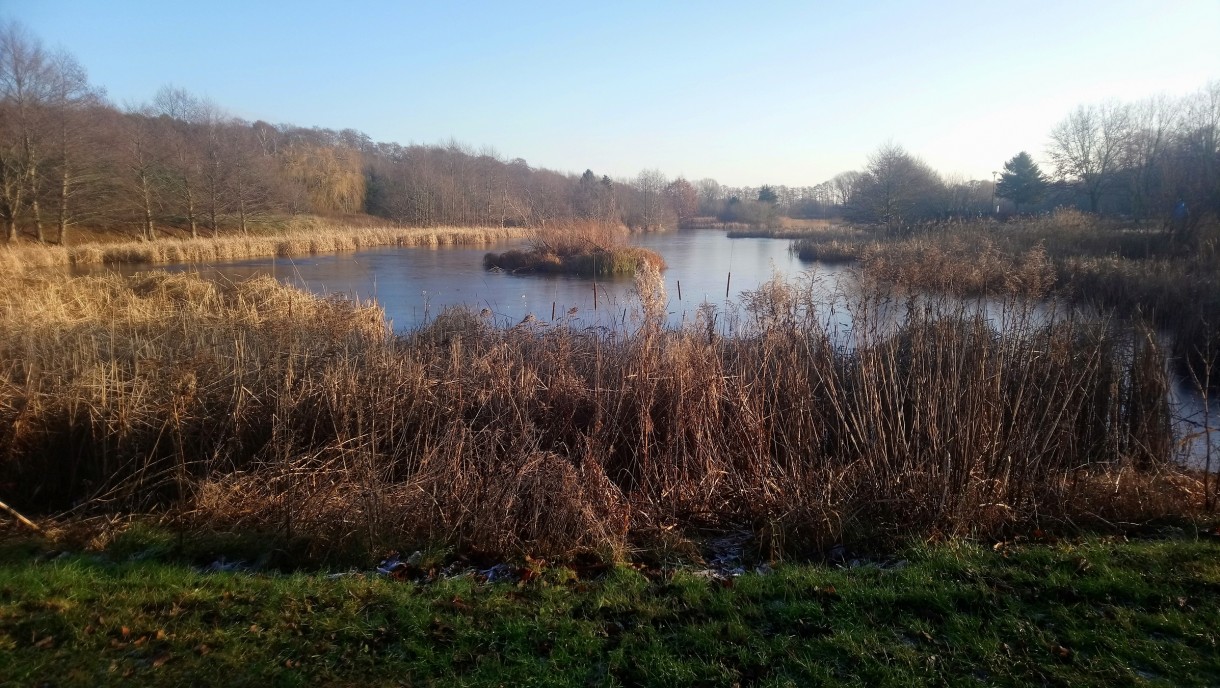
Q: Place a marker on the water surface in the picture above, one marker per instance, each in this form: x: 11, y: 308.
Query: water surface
x: 415, y: 284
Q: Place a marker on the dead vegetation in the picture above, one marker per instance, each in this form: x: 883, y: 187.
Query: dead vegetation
x: 26, y: 258
x: 1140, y: 273
x: 589, y: 248
x: 254, y: 406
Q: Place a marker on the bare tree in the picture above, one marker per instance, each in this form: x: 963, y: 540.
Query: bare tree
x: 1151, y: 125
x: 682, y: 198
x: 140, y: 165
x: 183, y: 116
x: 1197, y: 163
x: 72, y: 100
x: 1087, y: 147
x: 650, y: 184
x: 844, y: 184
x: 25, y: 91
x: 896, y: 188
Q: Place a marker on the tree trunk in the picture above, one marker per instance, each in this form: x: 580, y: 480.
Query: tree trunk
x: 63, y: 207
x: 148, y: 215
x: 190, y: 209
x: 35, y: 211
x: 11, y: 229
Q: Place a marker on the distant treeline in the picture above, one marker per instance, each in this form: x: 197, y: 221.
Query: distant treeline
x: 68, y: 158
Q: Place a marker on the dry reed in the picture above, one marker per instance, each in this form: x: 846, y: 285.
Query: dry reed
x: 581, y: 247
x: 256, y: 406
x: 26, y: 258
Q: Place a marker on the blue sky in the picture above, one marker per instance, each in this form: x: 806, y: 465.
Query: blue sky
x: 782, y: 93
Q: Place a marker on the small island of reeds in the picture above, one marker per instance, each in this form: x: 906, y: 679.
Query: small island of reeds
x: 588, y: 249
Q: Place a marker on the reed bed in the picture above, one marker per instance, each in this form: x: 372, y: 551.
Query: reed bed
x: 591, y: 249
x: 23, y: 259
x: 959, y: 267
x: 827, y: 250
x: 254, y: 406
x: 1138, y: 273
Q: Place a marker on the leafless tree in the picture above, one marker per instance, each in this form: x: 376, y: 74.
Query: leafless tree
x: 844, y: 184
x: 139, y: 160
x: 183, y: 116
x: 26, y: 85
x: 1087, y: 147
x: 896, y: 188
x: 650, y: 210
x: 1151, y: 124
x: 72, y: 100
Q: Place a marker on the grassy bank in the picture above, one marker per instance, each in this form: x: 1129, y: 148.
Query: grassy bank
x: 256, y: 407
x: 1089, y: 612
x: 22, y: 259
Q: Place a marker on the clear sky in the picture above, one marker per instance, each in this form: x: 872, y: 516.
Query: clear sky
x: 782, y: 93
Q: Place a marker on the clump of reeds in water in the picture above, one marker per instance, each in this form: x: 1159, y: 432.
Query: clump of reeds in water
x: 828, y: 250
x: 255, y: 406
x: 592, y: 249
x: 959, y: 268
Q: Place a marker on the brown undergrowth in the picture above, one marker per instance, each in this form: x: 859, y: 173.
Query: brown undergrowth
x: 254, y: 406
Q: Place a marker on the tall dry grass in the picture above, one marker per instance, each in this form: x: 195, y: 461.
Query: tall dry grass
x: 589, y: 248
x: 255, y: 406
x: 1139, y: 273
x: 27, y: 258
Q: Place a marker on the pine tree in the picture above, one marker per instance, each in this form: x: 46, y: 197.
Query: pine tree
x: 1022, y: 181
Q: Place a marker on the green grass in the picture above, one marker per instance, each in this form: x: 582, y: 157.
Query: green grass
x: 1099, y: 611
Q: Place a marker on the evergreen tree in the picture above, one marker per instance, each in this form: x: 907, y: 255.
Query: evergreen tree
x: 1022, y: 181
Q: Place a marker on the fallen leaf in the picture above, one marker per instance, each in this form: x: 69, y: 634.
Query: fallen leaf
x: 45, y: 643
x: 161, y: 635
x: 124, y: 631
x: 160, y: 660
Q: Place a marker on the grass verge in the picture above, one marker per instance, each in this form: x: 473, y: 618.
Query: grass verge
x: 1097, y: 611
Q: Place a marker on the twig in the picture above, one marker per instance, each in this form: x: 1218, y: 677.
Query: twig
x: 24, y: 521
